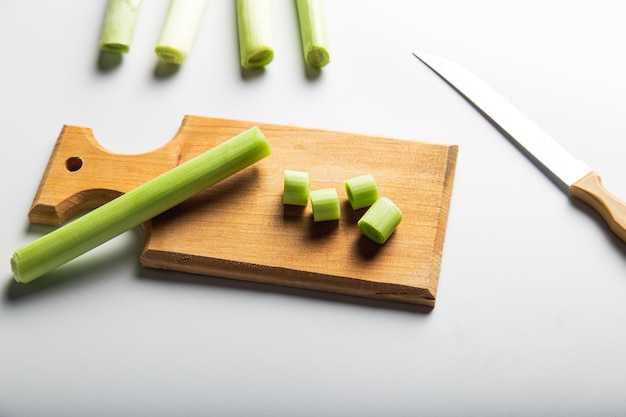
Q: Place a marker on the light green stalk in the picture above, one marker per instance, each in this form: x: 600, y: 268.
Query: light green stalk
x: 118, y: 25
x: 380, y: 220
x: 256, y: 38
x: 296, y: 188
x: 138, y: 205
x: 179, y: 30
x: 325, y: 205
x: 362, y: 191
x: 313, y: 32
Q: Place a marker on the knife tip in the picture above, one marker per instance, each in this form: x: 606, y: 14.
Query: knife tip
x: 422, y: 56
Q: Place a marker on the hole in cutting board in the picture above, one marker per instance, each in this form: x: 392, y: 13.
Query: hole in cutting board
x: 73, y: 163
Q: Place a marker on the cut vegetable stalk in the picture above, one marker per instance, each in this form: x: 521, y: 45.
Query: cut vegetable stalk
x: 296, y: 189
x: 325, y: 204
x: 256, y: 38
x: 362, y: 191
x: 313, y: 32
x: 138, y: 205
x: 118, y: 25
x: 380, y: 220
x: 179, y: 30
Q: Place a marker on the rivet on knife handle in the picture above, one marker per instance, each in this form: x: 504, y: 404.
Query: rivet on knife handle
x: 574, y: 175
x: 590, y: 190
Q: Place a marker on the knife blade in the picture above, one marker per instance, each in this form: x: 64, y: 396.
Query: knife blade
x: 572, y: 174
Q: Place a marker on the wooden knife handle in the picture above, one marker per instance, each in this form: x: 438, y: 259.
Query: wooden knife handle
x: 590, y: 190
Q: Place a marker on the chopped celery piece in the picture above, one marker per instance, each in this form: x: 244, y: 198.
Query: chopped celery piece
x: 380, y: 220
x: 256, y: 38
x: 138, y: 205
x: 118, y: 25
x: 362, y: 191
x: 313, y: 32
x: 179, y: 30
x: 296, y: 188
x: 325, y: 204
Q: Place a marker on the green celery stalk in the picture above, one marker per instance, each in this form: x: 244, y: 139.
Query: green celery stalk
x: 138, y: 205
x: 256, y: 38
x: 313, y: 32
x: 179, y: 30
x: 118, y: 25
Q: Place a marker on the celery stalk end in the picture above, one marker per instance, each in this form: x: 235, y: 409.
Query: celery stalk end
x: 15, y: 268
x: 116, y: 48
x: 318, y: 57
x: 170, y: 55
x: 258, y: 58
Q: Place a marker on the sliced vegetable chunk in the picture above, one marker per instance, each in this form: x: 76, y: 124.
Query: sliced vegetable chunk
x: 325, y: 204
x: 362, y: 191
x: 297, y: 187
x: 380, y: 220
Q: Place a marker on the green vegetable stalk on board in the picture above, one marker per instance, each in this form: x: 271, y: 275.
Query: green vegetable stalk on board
x: 118, y: 25
x: 138, y: 205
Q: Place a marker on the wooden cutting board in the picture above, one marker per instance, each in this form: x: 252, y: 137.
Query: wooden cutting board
x: 240, y: 228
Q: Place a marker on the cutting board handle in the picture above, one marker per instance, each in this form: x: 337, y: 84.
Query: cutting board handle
x: 81, y: 174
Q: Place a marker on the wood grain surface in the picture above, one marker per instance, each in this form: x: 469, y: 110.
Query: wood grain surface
x: 240, y: 228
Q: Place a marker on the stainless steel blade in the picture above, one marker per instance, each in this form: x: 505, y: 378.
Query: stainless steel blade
x: 508, y: 119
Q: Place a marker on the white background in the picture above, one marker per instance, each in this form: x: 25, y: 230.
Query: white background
x: 531, y: 310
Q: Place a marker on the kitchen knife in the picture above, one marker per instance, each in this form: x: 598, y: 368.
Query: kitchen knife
x: 574, y: 175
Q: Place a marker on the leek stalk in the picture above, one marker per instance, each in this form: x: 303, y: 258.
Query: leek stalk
x: 138, y: 205
x: 179, y: 30
x: 313, y: 32
x: 254, y: 23
x: 118, y: 25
